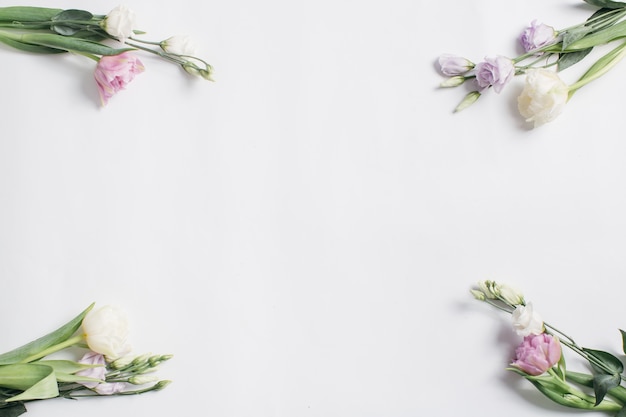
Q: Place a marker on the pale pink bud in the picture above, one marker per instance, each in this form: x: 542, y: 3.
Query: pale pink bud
x: 537, y: 354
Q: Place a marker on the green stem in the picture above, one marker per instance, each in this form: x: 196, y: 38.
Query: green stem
x: 52, y: 349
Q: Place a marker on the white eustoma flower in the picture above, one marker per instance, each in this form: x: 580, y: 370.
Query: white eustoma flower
x: 120, y: 22
x: 180, y: 45
x: 527, y: 321
x: 543, y: 98
x: 106, y: 332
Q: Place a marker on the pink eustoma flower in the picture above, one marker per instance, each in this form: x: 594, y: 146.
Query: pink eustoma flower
x: 114, y: 72
x: 537, y: 354
x: 495, y: 72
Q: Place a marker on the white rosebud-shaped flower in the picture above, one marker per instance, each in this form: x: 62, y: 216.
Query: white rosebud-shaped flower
x: 120, y: 23
x: 526, y: 321
x: 180, y: 45
x: 106, y: 332
x: 543, y: 98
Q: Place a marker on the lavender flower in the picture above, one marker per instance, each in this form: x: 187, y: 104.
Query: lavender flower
x: 494, y: 72
x: 537, y: 35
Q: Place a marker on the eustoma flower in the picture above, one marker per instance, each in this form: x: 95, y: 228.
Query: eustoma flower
x: 547, y: 52
x: 27, y: 374
x: 113, y: 73
x: 527, y: 321
x: 537, y: 35
x: 120, y: 23
x: 537, y: 354
x: 494, y: 72
x: 50, y: 31
x: 183, y: 45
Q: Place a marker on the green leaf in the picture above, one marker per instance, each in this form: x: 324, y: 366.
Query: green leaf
x: 571, y: 58
x: 606, y: 4
x: 73, y: 14
x: 602, y: 383
x: 573, y: 35
x: 36, y: 381
x: 65, y: 366
x: 600, y: 37
x: 71, y: 21
x: 27, y: 14
x: 43, y: 343
x: 12, y: 409
x: 612, y: 365
x: 623, y: 340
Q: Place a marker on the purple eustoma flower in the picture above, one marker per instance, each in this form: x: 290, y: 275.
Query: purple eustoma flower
x: 537, y: 354
x: 495, y: 72
x: 537, y: 35
x: 453, y: 65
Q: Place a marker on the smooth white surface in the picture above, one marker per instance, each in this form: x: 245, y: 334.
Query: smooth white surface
x: 302, y: 234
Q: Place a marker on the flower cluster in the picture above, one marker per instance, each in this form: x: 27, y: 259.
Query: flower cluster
x: 28, y: 373
x: 539, y: 358
x: 50, y: 31
x: 547, y: 52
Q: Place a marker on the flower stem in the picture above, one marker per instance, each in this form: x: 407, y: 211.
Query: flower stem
x: 55, y: 348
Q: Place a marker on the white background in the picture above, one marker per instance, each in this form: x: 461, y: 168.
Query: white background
x: 302, y: 233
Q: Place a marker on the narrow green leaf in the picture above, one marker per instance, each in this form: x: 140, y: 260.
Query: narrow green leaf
x: 623, y: 340
x: 573, y: 35
x: 611, y: 363
x: 580, y: 378
x: 27, y: 47
x: 70, y: 44
x: 62, y: 377
x: 606, y: 4
x: 560, y: 368
x: 600, y: 37
x: 65, y: 366
x: 43, y: 343
x: 27, y: 14
x: 568, y: 59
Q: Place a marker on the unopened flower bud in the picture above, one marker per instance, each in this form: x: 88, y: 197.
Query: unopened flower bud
x: 479, y: 295
x: 489, y: 288
x: 452, y: 65
x: 142, y: 379
x: 453, y: 81
x: 161, y: 384
x: 510, y: 295
x: 469, y: 99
